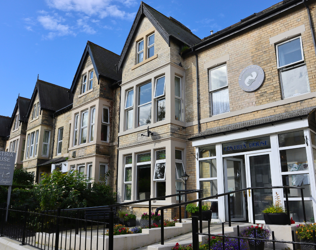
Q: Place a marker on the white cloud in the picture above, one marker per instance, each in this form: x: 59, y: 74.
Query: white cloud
x: 107, y: 27
x: 29, y: 28
x: 84, y: 26
x: 54, y: 25
x: 101, y: 8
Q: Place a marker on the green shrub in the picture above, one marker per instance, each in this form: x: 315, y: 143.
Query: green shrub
x: 192, y: 208
x: 275, y: 208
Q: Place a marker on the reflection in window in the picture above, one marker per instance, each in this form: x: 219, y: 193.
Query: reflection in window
x: 291, y: 138
x: 160, y: 98
x: 178, y: 98
x: 144, y: 104
x: 151, y: 45
x: 140, y: 51
x: 297, y: 180
x: 208, y: 151
x: 105, y: 125
x: 129, y: 104
x: 84, y: 127
x: 128, y: 170
x: 160, y: 172
x: 208, y: 168
x: 209, y: 188
x: 293, y: 160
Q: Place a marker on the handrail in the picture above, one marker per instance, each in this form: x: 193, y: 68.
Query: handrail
x: 200, y: 199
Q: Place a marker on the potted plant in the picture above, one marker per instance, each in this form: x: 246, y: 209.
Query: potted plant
x: 275, y: 214
x: 256, y: 232
x: 304, y: 233
x: 127, y: 219
x: 144, y: 221
x: 194, y: 210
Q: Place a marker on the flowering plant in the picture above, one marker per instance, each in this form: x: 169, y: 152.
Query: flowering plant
x: 256, y: 232
x: 119, y: 229
x: 275, y: 208
x: 305, y: 232
x: 216, y: 244
x: 129, y: 217
x: 136, y: 230
x: 145, y: 216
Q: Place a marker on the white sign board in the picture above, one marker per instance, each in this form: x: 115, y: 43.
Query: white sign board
x: 7, y: 160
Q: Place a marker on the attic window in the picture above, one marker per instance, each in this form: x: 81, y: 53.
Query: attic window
x: 36, y: 109
x: 151, y: 45
x: 84, y: 84
x: 140, y: 51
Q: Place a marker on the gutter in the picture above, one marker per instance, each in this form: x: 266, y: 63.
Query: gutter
x: 310, y: 23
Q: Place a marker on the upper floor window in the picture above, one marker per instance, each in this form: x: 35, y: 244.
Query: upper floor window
x: 16, y: 122
x: 84, y: 84
x: 46, y: 140
x: 75, y: 141
x: 129, y: 105
x: 144, y: 104
x: 90, y: 79
x: 60, y: 140
x: 178, y: 98
x: 151, y: 45
x: 160, y: 98
x: 293, y: 70
x: 105, y: 125
x: 140, y: 51
x: 92, y: 121
x: 36, y: 142
x: 84, y: 127
x: 218, y: 87
x: 35, y: 112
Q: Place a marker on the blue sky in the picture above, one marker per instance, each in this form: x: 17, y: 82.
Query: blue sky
x: 47, y: 37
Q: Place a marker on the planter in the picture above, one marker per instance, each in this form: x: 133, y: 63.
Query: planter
x: 305, y: 247
x: 206, y: 215
x: 130, y: 223
x: 259, y: 246
x: 145, y: 223
x: 277, y: 219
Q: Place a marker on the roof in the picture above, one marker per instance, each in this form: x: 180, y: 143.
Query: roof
x: 53, y: 161
x: 104, y: 62
x: 4, y: 126
x: 22, y: 104
x: 51, y: 97
x: 167, y: 26
x: 245, y: 125
x: 248, y: 22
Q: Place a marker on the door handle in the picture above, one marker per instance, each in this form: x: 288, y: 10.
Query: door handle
x: 249, y: 192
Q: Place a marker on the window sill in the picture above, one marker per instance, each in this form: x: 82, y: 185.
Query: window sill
x: 90, y: 90
x: 34, y: 119
x: 145, y: 61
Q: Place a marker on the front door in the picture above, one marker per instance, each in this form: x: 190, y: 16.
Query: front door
x: 234, y: 174
x: 258, y: 175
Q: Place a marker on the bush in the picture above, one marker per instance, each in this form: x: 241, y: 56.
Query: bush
x: 22, y: 178
x: 99, y: 195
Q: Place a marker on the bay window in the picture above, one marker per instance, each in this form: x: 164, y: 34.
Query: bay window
x: 103, y: 173
x: 46, y: 140
x: 89, y: 172
x: 92, y: 121
x: 27, y: 146
x: 179, y: 171
x: 150, y: 45
x: 218, y: 87
x: 81, y: 169
x: 129, y: 111
x: 75, y: 140
x: 36, y: 142
x: 144, y: 104
x: 60, y: 140
x: 160, y: 98
x: 105, y: 125
x: 160, y: 173
x: 32, y: 144
x: 178, y: 98
x: 128, y: 170
x: 83, y: 127
x: 293, y: 70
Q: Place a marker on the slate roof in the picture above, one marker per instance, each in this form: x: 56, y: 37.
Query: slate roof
x: 104, y: 63
x: 4, y: 126
x: 248, y: 22
x: 255, y: 122
x: 51, y: 97
x: 22, y: 104
x: 166, y: 26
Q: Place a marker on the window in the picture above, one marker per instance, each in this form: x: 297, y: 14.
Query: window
x: 129, y: 105
x: 16, y: 122
x: 32, y: 144
x: 178, y: 98
x: 36, y: 143
x: 36, y: 108
x: 179, y: 171
x: 144, y: 104
x: 81, y: 169
x: 105, y: 125
x: 22, y: 150
x: 89, y: 172
x: 143, y: 176
x: 27, y: 146
x: 151, y: 45
x: 92, y: 121
x: 46, y: 140
x: 140, y: 51
x: 60, y: 140
x: 103, y: 173
x: 160, y: 173
x: 75, y: 141
x: 218, y: 87
x: 160, y: 98
x: 84, y: 84
x: 90, y: 79
x: 128, y: 171
x: 84, y: 127
x: 293, y: 71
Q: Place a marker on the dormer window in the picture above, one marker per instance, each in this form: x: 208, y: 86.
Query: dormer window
x: 90, y: 79
x: 16, y: 122
x: 36, y: 108
x: 150, y: 45
x: 84, y: 84
x: 140, y: 51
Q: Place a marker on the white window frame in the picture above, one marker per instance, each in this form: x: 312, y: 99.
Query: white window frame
x: 179, y: 98
x: 106, y: 169
x: 36, y: 142
x: 149, y: 46
x: 83, y: 127
x: 180, y: 162
x: 15, y: 123
x: 82, y: 166
x: 277, y: 52
x: 128, y: 182
x: 158, y: 162
x: 37, y: 109
x: 90, y: 79
x: 160, y: 97
x: 211, y: 91
x: 32, y: 144
x: 60, y: 140
x: 129, y: 108
x: 84, y: 83
x: 141, y: 51
x: 89, y: 168
x: 34, y: 111
x: 46, y: 143
x: 27, y: 147
x: 144, y: 104
x: 76, y: 127
x: 92, y: 124
x: 104, y: 123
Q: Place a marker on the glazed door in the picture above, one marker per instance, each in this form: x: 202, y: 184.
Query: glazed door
x: 234, y: 178
x: 258, y: 175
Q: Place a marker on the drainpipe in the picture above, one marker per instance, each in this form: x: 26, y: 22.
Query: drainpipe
x: 197, y: 90
x: 118, y: 140
x: 310, y: 24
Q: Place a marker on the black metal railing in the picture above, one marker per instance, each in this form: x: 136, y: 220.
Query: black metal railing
x: 242, y: 241
x: 200, y: 199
